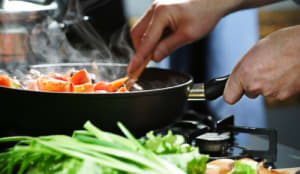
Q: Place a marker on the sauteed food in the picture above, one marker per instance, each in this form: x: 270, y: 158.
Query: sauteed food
x: 76, y: 81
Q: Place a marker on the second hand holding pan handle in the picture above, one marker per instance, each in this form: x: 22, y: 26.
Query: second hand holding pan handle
x: 210, y: 90
x: 215, y: 87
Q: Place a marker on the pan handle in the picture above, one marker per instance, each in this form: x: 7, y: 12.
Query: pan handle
x: 210, y: 90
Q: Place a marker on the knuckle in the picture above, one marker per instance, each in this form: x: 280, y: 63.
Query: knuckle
x: 245, y: 71
x: 145, y: 37
x: 256, y: 87
x: 189, y: 34
x: 154, y: 4
x: 162, y: 50
x: 228, y: 99
x: 160, y: 8
x: 251, y: 88
x: 282, y: 96
x: 269, y: 92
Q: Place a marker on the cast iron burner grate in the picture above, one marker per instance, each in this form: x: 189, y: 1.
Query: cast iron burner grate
x: 218, y: 138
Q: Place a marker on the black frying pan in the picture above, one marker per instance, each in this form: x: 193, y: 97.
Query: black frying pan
x: 25, y: 112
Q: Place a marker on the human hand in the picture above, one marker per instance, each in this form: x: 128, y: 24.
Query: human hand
x: 271, y: 68
x: 169, y: 24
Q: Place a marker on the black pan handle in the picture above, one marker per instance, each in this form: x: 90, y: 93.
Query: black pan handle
x: 209, y: 90
x: 40, y: 2
x: 215, y: 87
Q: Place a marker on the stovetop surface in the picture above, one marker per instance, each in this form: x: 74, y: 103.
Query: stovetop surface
x: 261, y: 143
x: 287, y: 157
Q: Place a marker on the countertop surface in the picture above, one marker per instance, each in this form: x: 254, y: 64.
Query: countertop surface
x: 287, y: 156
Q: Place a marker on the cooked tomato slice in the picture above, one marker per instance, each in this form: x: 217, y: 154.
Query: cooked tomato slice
x: 87, y: 87
x: 58, y: 76
x: 103, y: 86
x: 118, y: 83
x: 32, y: 85
x: 123, y: 89
x: 5, y: 81
x: 81, y: 77
x: 53, y: 85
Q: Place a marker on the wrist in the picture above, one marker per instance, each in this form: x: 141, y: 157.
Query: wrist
x: 220, y: 7
x: 235, y: 5
x: 231, y: 6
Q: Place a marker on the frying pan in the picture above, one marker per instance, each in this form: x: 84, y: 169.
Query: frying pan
x: 162, y: 102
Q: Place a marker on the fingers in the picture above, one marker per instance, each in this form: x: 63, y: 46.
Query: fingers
x: 148, y: 41
x: 168, y: 45
x: 140, y: 27
x: 233, y: 90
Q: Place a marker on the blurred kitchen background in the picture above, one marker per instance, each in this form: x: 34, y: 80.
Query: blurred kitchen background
x: 110, y: 15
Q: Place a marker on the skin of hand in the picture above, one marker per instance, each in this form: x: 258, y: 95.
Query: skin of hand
x: 271, y: 68
x: 169, y: 24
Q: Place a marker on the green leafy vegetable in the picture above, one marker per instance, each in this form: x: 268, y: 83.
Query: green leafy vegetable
x: 173, y: 149
x: 166, y: 144
x: 242, y: 168
x: 95, y: 151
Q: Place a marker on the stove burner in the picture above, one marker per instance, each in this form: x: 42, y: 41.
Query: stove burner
x: 213, y: 143
x: 214, y: 136
x: 218, y: 138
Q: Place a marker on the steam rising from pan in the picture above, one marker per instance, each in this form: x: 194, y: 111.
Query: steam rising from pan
x: 49, y: 44
x: 52, y: 40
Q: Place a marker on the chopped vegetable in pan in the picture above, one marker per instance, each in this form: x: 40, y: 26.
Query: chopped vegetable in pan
x: 73, y: 81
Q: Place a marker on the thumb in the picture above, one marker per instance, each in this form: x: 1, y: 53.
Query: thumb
x: 233, y: 90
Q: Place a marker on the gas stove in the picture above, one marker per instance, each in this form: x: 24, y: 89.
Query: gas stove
x: 218, y: 138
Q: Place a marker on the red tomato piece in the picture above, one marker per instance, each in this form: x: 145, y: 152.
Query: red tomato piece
x: 53, y: 85
x: 81, y: 77
x: 5, y: 81
x: 103, y: 86
x: 58, y: 76
x: 87, y: 87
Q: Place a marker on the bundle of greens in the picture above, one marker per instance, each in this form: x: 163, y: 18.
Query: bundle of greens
x: 95, y: 151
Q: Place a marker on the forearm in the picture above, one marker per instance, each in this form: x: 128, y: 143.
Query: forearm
x: 235, y: 5
x: 244, y: 4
